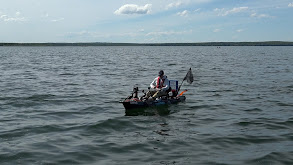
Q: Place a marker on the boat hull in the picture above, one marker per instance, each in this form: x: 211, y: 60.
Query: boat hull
x: 134, y: 103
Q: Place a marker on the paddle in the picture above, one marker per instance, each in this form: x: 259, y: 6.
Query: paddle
x: 156, y: 94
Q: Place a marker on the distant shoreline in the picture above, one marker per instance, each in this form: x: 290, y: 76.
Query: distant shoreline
x: 265, y: 43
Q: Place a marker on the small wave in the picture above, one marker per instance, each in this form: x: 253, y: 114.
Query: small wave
x: 247, y: 123
x: 116, y: 124
x: 29, y: 98
x: 68, y: 74
x: 273, y: 158
x: 211, y: 107
x: 241, y: 140
x: 20, y: 132
x: 42, y: 99
x: 57, y: 157
x: 282, y: 104
x: 14, y: 157
x: 287, y: 123
x: 28, y: 101
x: 268, y: 124
x: 32, y: 97
x: 254, y: 110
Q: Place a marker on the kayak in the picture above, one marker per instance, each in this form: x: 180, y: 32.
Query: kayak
x: 133, y: 104
x: 137, y: 103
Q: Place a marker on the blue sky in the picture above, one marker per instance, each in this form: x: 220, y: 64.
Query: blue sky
x: 145, y: 21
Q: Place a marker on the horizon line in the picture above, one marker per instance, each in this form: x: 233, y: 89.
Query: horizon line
x: 213, y: 43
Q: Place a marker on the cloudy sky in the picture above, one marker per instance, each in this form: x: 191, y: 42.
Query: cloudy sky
x: 145, y: 21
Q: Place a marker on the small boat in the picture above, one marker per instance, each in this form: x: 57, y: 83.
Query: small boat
x: 133, y: 103
x: 135, y: 106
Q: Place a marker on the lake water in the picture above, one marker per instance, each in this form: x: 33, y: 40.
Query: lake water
x: 60, y: 105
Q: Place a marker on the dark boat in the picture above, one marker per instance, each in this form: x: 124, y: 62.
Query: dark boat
x: 134, y: 105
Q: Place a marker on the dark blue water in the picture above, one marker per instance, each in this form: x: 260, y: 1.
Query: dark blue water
x: 60, y: 105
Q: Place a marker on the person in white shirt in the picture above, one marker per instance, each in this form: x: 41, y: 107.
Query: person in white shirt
x: 160, y: 86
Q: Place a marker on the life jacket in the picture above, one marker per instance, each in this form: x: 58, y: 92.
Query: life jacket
x: 160, y: 82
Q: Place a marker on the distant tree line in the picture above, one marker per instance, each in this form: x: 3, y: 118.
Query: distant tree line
x: 266, y: 43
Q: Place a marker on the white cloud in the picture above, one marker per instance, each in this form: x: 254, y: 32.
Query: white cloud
x: 134, y: 9
x: 217, y: 30
x: 263, y: 16
x: 197, y: 10
x: 219, y: 11
x: 290, y: 4
x: 259, y: 15
x: 92, y: 34
x: 14, y: 19
x: 175, y: 4
x: 3, y: 16
x: 57, y: 20
x: 80, y: 33
x: 225, y: 12
x: 45, y: 15
x: 253, y: 15
x: 17, y: 18
x: 183, y: 13
x: 168, y: 33
x: 239, y: 30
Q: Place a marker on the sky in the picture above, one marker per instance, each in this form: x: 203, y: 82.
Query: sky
x: 145, y: 21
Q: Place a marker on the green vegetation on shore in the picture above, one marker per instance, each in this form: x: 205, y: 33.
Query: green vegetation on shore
x: 266, y: 43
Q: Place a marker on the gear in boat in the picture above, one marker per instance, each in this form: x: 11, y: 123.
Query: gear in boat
x: 133, y: 101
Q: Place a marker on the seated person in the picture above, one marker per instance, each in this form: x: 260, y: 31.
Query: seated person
x: 159, y: 87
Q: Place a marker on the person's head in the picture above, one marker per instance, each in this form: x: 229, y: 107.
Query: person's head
x: 161, y: 73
